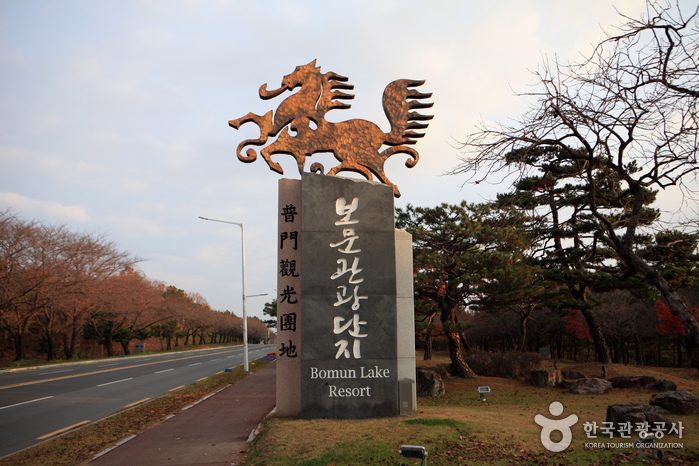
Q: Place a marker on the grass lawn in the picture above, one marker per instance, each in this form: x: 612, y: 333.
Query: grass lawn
x: 458, y: 429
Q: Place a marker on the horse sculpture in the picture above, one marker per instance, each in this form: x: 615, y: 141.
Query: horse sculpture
x: 355, y: 143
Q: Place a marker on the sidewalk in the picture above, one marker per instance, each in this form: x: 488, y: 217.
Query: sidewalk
x: 210, y: 433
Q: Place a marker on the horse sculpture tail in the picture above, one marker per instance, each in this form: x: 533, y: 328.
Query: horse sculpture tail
x: 398, y: 108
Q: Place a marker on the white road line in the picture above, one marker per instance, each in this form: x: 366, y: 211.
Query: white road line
x: 116, y: 381
x: 56, y: 372
x: 195, y: 364
x: 214, y: 359
x: 108, y: 365
x: 166, y: 370
x: 25, y: 402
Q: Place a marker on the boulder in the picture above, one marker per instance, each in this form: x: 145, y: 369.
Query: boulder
x: 632, y: 382
x: 429, y: 383
x: 545, y: 379
x: 444, y: 370
x: 590, y: 386
x: 676, y: 402
x: 663, y: 385
x: 567, y: 384
x: 636, y: 415
x: 572, y: 375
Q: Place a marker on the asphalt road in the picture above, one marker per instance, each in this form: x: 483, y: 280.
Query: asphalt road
x: 39, y: 404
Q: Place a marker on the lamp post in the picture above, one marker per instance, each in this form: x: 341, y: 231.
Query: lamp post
x: 245, y: 310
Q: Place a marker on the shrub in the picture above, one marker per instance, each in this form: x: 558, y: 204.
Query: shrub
x: 509, y: 365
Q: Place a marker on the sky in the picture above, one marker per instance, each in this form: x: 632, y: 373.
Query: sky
x: 114, y: 115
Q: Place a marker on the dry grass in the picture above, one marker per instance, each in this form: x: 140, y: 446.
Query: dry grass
x: 81, y: 445
x: 457, y: 428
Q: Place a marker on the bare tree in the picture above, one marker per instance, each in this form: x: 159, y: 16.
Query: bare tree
x: 625, y: 123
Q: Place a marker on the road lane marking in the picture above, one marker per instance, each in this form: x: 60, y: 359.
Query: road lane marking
x: 30, y: 401
x: 176, y: 388
x: 203, y: 378
x: 116, y: 381
x: 136, y: 402
x: 22, y: 384
x: 166, y: 370
x: 57, y: 372
x: 62, y: 430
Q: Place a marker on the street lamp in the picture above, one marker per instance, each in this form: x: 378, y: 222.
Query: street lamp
x: 245, y: 310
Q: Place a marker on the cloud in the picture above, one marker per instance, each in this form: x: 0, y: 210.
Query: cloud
x: 135, y: 227
x: 49, y: 209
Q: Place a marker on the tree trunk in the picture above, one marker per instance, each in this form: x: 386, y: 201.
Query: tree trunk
x: 458, y: 362
x: 66, y: 346
x: 674, y: 302
x: 601, y: 347
x: 20, y: 350
x: 51, y: 347
x: 464, y: 341
x: 427, y: 356
x: 108, y: 346
x: 639, y: 351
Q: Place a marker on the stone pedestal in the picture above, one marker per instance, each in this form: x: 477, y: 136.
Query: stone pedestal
x: 352, y: 337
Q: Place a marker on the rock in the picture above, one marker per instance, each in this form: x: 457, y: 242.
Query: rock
x: 590, y: 386
x: 572, y: 375
x: 637, y: 415
x: 429, y: 383
x: 545, y: 379
x: 444, y: 370
x: 663, y: 385
x: 676, y: 402
x: 567, y: 384
x: 632, y: 382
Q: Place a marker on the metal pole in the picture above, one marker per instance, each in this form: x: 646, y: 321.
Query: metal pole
x: 246, y: 366
x: 245, y: 308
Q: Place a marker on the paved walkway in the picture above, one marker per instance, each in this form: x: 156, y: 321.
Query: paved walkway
x: 209, y: 433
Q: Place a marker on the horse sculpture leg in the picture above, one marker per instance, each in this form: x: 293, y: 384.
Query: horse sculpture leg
x: 264, y: 123
x: 285, y: 144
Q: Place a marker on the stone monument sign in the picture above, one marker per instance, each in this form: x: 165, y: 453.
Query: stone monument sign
x: 344, y: 305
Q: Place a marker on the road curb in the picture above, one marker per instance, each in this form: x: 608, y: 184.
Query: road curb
x: 256, y: 431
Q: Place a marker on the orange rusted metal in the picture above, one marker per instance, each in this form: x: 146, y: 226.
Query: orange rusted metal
x: 355, y: 143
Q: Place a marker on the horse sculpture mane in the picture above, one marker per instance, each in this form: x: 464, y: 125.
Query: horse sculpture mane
x: 355, y: 143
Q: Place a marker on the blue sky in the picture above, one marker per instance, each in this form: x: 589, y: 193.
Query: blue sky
x: 114, y: 115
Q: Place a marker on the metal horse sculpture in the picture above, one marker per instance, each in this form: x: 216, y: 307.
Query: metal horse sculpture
x: 355, y: 143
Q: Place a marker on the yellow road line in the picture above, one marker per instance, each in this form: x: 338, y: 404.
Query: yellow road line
x: 22, y: 384
x: 137, y: 402
x: 176, y: 388
x: 203, y: 378
x: 62, y: 430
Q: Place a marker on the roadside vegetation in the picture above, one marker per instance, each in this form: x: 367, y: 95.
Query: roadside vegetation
x: 43, y: 362
x: 73, y: 296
